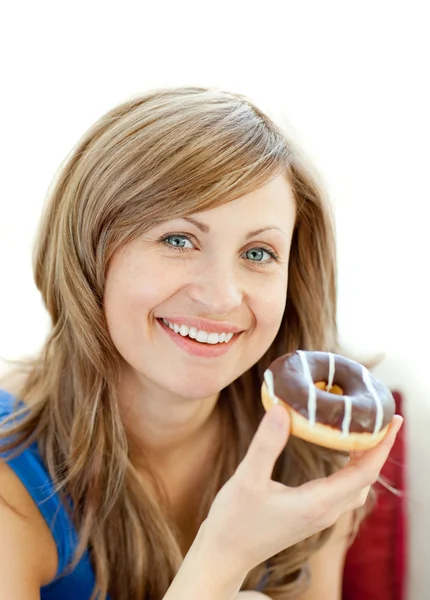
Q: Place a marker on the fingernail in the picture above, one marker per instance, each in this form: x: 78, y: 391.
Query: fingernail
x: 396, y: 424
x: 276, y: 417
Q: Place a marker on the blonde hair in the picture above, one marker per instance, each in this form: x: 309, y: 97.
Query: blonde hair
x: 168, y: 153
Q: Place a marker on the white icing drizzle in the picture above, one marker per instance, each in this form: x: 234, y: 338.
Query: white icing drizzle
x: 346, y: 423
x: 331, y: 370
x: 347, y: 415
x: 268, y: 378
x: 312, y: 397
x: 379, y: 408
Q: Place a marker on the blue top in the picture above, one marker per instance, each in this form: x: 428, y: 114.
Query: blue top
x: 29, y: 467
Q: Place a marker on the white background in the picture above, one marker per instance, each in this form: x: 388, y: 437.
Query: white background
x: 351, y: 81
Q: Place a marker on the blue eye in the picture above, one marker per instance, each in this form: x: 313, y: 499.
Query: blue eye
x: 259, y: 255
x: 178, y: 241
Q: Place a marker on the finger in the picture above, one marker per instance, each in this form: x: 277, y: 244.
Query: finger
x: 359, y: 473
x: 266, y: 446
x: 364, y: 469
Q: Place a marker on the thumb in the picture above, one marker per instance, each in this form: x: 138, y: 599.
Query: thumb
x: 266, y: 446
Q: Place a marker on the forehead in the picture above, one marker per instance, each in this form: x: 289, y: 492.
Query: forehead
x: 274, y: 200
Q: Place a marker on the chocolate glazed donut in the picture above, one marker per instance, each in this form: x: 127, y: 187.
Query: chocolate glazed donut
x: 333, y: 401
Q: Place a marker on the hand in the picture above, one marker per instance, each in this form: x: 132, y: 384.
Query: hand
x: 253, y: 518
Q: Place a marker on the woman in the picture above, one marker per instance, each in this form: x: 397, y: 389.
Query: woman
x: 185, y: 245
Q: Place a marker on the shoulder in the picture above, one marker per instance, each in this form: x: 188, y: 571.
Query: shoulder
x: 25, y: 532
x: 334, y: 550
x: 26, y: 540
x: 12, y: 382
x: 326, y: 564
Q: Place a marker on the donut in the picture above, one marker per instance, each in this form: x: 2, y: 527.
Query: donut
x: 333, y: 401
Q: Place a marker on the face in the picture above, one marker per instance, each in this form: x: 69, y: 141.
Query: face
x: 195, y: 302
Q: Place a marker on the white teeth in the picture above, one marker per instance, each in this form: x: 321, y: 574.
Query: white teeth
x: 204, y: 337
x: 213, y: 338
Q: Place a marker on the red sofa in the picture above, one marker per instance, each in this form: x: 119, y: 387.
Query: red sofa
x: 376, y: 563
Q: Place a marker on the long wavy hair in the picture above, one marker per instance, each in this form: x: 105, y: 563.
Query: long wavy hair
x: 168, y: 153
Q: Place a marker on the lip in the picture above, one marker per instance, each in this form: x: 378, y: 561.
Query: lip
x: 205, y: 324
x: 196, y: 348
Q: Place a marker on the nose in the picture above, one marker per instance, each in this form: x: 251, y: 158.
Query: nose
x: 218, y: 290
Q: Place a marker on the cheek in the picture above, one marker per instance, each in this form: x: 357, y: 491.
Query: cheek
x: 127, y: 305
x: 268, y: 309
x: 270, y: 306
x: 134, y: 290
x: 131, y: 299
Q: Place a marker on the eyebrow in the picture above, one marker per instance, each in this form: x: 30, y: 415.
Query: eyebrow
x: 206, y: 229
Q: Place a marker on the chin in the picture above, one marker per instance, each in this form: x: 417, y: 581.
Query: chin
x: 198, y: 388
x: 197, y: 392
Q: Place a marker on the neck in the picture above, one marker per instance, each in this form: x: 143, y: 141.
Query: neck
x: 160, y: 425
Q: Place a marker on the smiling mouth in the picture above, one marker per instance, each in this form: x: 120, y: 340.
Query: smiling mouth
x: 198, y: 335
